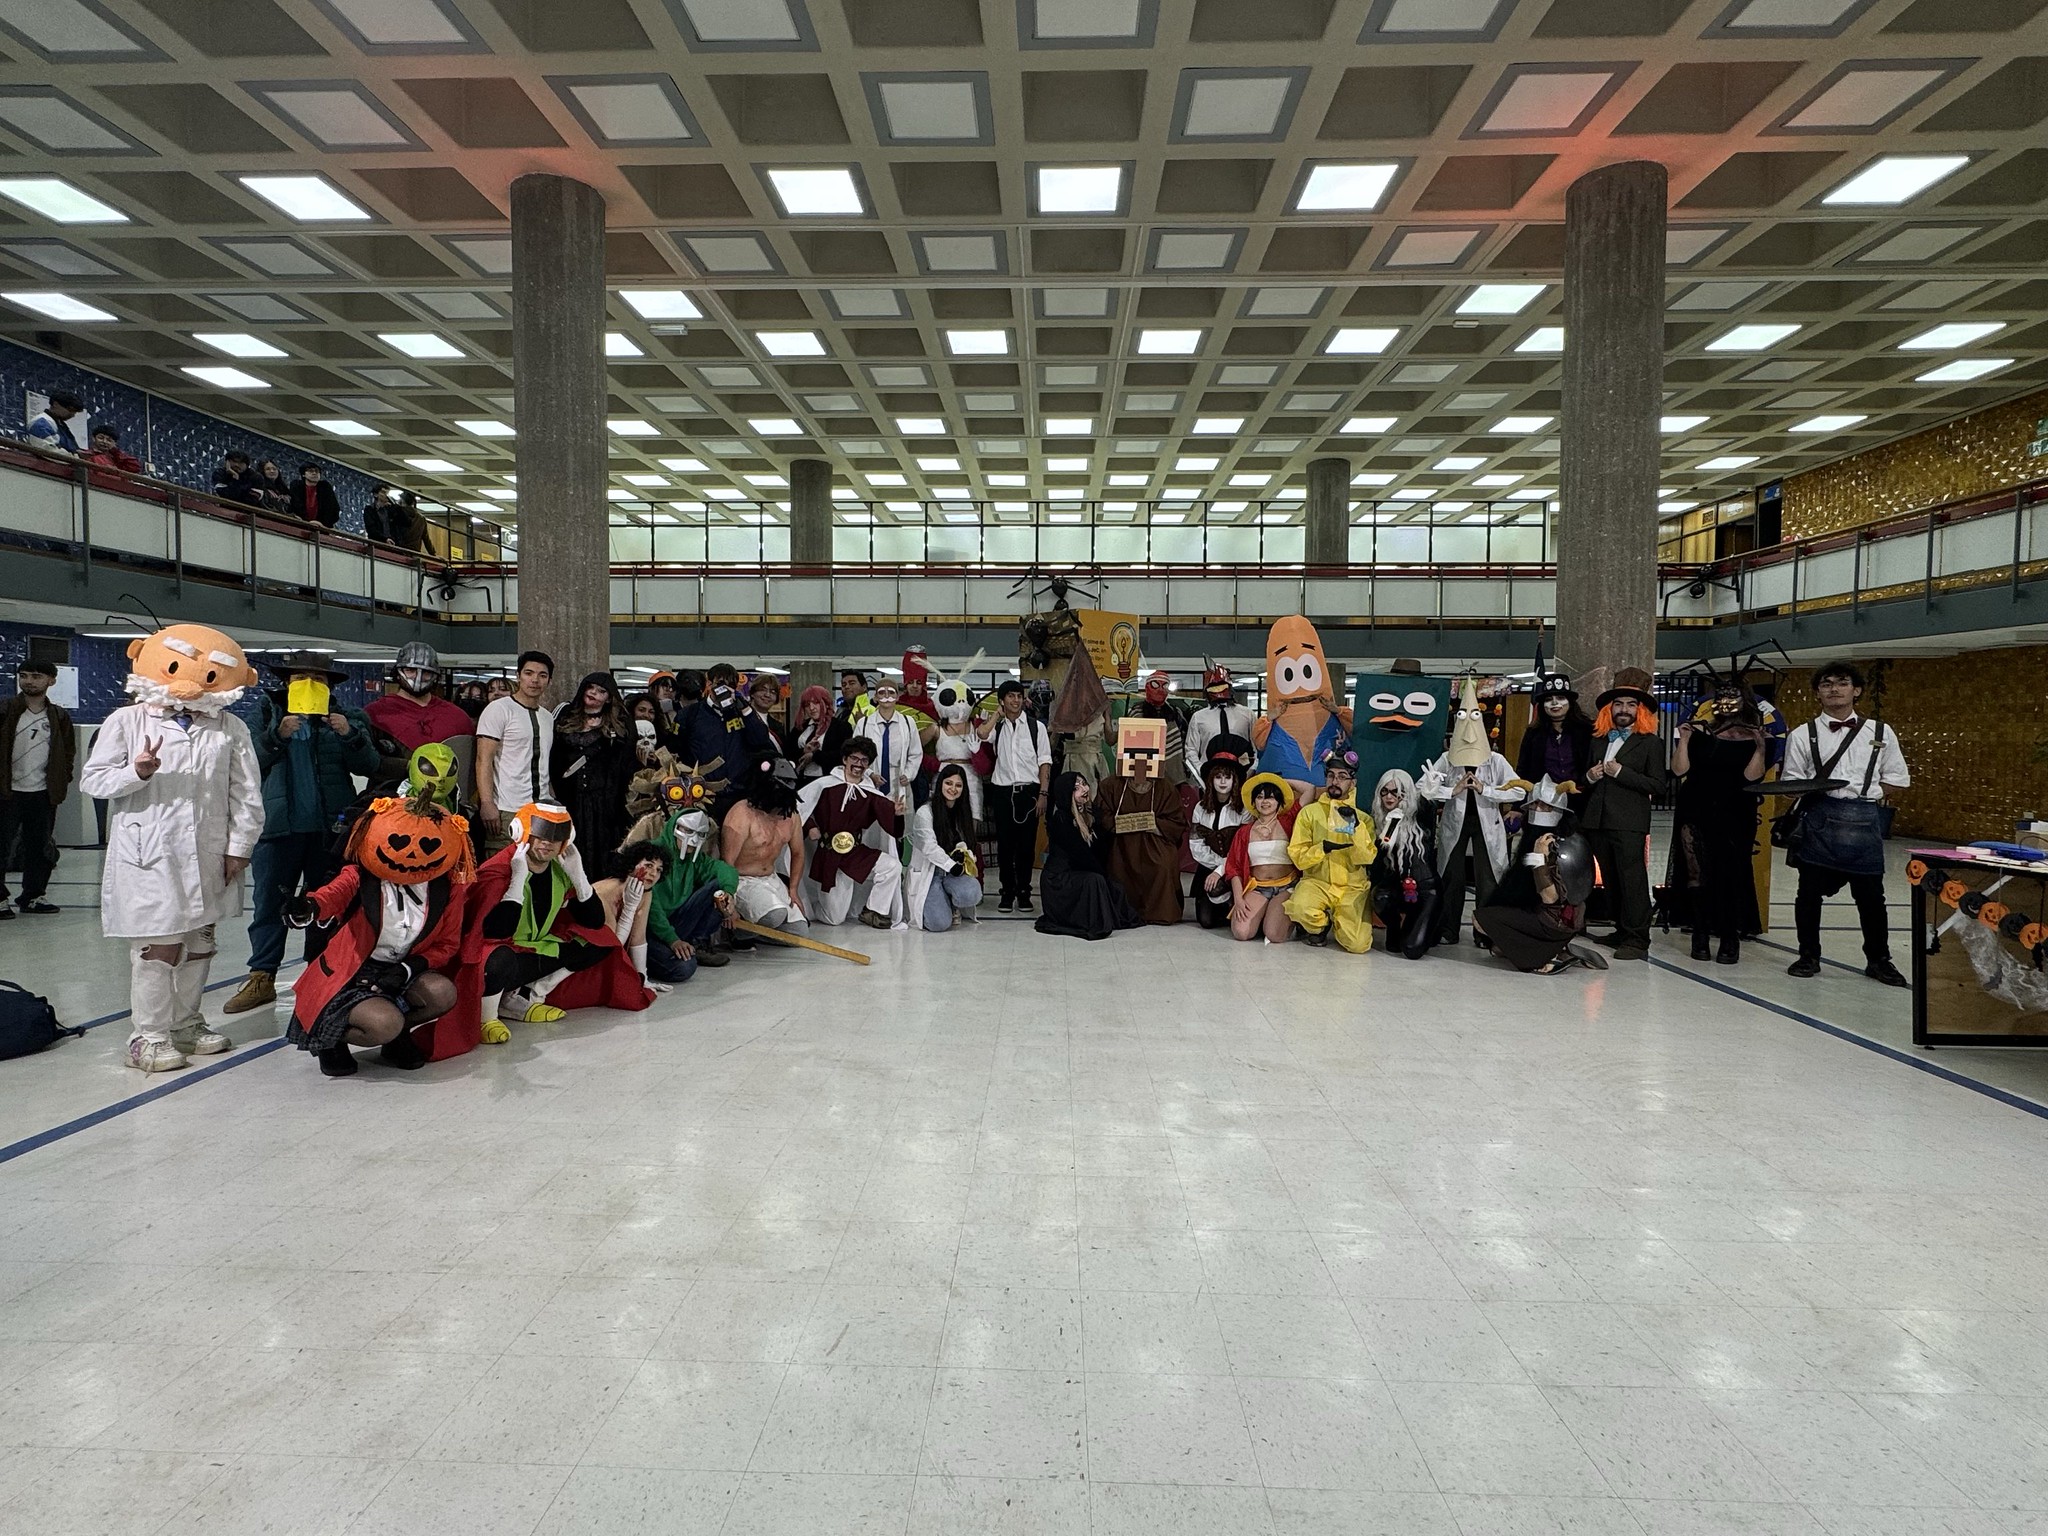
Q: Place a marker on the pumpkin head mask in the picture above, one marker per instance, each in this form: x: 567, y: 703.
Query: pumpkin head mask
x: 408, y: 842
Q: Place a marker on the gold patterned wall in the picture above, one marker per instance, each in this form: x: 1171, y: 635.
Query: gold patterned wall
x: 1974, y: 728
x: 1971, y: 456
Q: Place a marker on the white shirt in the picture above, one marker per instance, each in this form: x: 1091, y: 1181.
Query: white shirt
x: 898, y: 752
x: 30, y: 769
x: 1023, y: 746
x: 405, y: 919
x: 523, y: 735
x: 1800, y: 762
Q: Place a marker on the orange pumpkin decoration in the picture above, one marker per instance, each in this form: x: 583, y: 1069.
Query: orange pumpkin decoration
x: 409, y: 842
x: 1916, y: 870
x: 1992, y: 913
x: 2034, y: 935
x: 1954, y: 892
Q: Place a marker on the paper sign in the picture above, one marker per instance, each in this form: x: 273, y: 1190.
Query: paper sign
x: 306, y: 696
x: 1112, y: 642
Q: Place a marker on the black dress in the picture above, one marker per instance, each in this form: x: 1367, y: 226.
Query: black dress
x: 1715, y: 821
x: 591, y: 771
x: 1524, y: 931
x: 1076, y: 897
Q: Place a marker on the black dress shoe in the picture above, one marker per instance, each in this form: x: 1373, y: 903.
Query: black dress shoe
x: 1701, y: 948
x: 338, y: 1061
x: 1886, y: 973
x: 1731, y: 953
x: 1805, y: 965
x: 37, y: 908
x: 1609, y: 939
x: 402, y: 1052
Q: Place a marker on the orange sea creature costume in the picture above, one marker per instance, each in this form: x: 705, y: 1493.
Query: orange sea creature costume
x: 1303, y: 724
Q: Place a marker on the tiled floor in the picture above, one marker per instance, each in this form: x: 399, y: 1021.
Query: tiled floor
x: 1010, y: 1235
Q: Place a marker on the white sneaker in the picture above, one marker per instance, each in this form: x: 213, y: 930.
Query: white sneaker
x: 198, y: 1040
x: 154, y: 1053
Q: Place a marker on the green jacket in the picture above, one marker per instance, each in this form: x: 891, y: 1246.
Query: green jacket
x: 335, y: 759
x: 684, y: 879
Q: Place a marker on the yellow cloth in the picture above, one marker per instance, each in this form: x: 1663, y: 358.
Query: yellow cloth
x: 1334, y: 885
x: 306, y: 696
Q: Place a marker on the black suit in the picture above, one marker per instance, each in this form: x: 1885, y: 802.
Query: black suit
x: 1615, y: 820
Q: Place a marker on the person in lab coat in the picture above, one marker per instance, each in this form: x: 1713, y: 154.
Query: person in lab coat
x: 1471, y: 783
x: 185, y: 809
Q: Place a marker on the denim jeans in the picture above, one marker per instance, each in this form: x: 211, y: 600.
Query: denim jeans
x: 281, y: 867
x: 696, y: 922
x: 947, y: 895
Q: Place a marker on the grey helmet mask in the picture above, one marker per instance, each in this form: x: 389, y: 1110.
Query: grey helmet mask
x: 417, y: 666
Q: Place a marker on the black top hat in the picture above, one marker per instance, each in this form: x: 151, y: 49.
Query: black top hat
x: 1629, y: 682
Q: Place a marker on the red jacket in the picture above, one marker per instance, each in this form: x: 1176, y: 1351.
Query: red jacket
x: 832, y: 817
x: 613, y: 983
x: 1237, y: 864
x: 412, y: 725
x: 355, y: 899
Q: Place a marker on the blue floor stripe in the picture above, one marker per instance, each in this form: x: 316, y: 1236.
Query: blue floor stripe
x: 1918, y: 1064
x: 122, y: 1106
x: 108, y: 1018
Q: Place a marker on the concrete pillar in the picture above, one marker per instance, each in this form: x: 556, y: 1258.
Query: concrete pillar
x: 1329, y: 512
x: 810, y: 512
x: 559, y: 394
x: 1613, y: 395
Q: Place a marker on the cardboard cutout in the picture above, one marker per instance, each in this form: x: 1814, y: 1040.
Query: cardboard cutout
x: 1399, y: 721
x: 1302, y: 721
x: 1140, y: 747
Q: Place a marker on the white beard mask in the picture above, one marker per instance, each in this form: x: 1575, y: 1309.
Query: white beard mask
x: 147, y: 690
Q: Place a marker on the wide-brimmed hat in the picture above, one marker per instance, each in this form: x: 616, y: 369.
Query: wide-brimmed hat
x: 1629, y: 682
x: 1256, y: 780
x: 306, y: 664
x: 1553, y: 685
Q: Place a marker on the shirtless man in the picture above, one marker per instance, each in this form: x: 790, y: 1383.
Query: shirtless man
x: 760, y: 825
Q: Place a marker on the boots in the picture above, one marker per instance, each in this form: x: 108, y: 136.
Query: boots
x: 1702, y: 945
x: 402, y: 1052
x: 338, y: 1061
x: 258, y: 991
x: 1731, y: 952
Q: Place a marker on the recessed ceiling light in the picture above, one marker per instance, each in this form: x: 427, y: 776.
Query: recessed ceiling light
x: 631, y: 426
x: 775, y: 426
x: 1006, y: 480
x: 342, y: 426
x: 1680, y: 423
x: 978, y: 343
x: 226, y: 378
x: 1169, y: 343
x: 1195, y: 465
x: 1063, y: 466
x: 1217, y: 426
x: 1894, y: 179
x: 1838, y: 423
x: 486, y: 427
x: 1501, y: 298
x: 939, y: 462
x: 647, y: 480
x: 1458, y: 463
x: 767, y: 481
x: 1946, y: 338
x: 1069, y: 426
x: 1676, y: 506
x: 59, y: 201
x: 1730, y: 461
x: 1080, y: 188
x: 237, y: 344
x: 1130, y: 479
x: 1372, y: 477
x: 59, y: 306
x: 308, y: 199
x: 886, y: 477
x: 1512, y: 426
x: 617, y: 344
x: 1366, y: 425
x: 419, y: 343
x: 920, y: 426
x: 1249, y: 479
x: 434, y: 466
x: 661, y: 304
x: 684, y: 466
x: 1413, y: 494
x: 1494, y: 482
x: 1342, y: 188
x: 1753, y: 338
x: 816, y: 190
x: 1963, y: 369
x: 1545, y: 338
x: 791, y: 343
x: 1352, y: 340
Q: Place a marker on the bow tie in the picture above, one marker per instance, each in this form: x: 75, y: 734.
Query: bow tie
x: 1844, y: 725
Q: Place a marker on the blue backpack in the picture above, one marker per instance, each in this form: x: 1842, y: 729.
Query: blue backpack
x: 27, y: 1023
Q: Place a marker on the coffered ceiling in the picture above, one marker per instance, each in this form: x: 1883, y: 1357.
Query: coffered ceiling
x: 1103, y: 253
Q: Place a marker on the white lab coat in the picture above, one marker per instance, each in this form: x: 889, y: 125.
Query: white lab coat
x: 1439, y: 783
x: 906, y: 752
x: 168, y: 835
x: 1205, y: 724
x: 927, y: 859
x: 949, y: 748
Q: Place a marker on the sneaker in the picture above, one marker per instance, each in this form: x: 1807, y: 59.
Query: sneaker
x: 147, y: 1053
x: 495, y: 1032
x: 1805, y: 965
x: 1631, y: 951
x: 37, y: 908
x: 1023, y: 903
x: 712, y: 955
x: 874, y: 919
x: 6, y: 914
x: 259, y: 991
x: 338, y: 1061
x: 1003, y: 905
x: 523, y: 1010
x: 198, y: 1040
x: 1886, y: 973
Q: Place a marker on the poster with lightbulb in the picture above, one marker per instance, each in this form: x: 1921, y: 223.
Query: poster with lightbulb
x: 1112, y: 642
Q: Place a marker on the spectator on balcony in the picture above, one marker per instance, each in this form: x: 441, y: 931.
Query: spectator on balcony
x: 52, y: 427
x: 313, y: 499
x: 234, y: 481
x: 377, y: 515
x: 106, y: 452
x: 408, y: 527
x: 273, y: 491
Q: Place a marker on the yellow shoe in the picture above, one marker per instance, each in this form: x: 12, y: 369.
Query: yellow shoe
x: 495, y: 1033
x: 535, y: 1013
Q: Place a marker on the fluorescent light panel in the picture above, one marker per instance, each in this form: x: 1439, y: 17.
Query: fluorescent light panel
x: 59, y: 306
x: 237, y: 344
x: 59, y: 201
x: 816, y: 190
x: 307, y: 199
x: 226, y: 378
x: 1894, y: 179
x: 1338, y: 188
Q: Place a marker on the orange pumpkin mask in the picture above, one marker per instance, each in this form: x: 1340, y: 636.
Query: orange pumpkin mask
x: 409, y: 842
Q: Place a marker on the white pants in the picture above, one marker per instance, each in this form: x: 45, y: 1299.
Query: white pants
x: 764, y: 899
x: 883, y: 886
x: 166, y: 998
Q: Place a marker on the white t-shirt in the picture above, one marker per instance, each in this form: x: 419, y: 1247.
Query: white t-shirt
x: 523, y: 735
x: 30, y: 769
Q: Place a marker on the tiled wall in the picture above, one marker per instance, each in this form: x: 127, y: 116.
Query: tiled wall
x: 1973, y: 456
x: 103, y: 671
x: 1974, y: 728
x: 185, y: 445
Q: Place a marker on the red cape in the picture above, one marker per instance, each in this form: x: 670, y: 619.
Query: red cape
x: 356, y: 900
x: 612, y: 983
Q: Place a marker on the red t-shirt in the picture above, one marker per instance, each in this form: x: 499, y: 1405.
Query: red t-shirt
x: 412, y: 725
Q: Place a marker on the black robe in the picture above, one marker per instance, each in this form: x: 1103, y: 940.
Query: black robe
x: 1078, y: 900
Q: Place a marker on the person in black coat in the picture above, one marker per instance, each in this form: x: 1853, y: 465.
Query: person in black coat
x: 1078, y: 899
x: 234, y: 480
x: 592, y: 761
x: 723, y: 730
x: 1559, y: 741
x: 313, y: 499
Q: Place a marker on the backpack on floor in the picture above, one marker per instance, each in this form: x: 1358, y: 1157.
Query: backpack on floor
x: 27, y: 1023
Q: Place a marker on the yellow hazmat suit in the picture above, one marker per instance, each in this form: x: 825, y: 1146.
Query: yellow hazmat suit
x: 1332, y: 852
